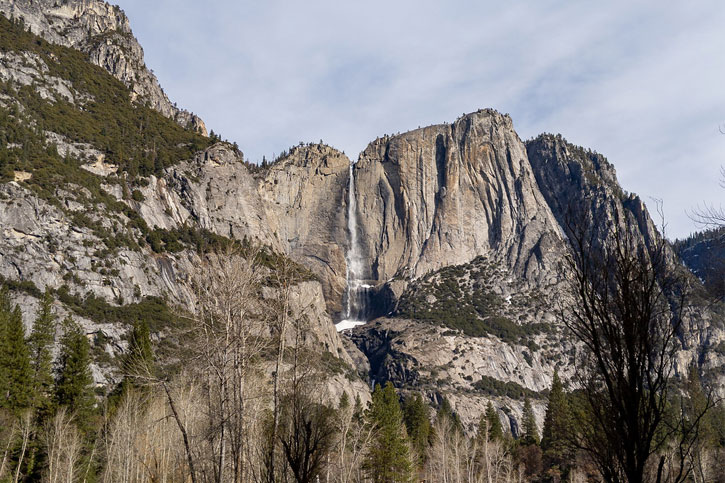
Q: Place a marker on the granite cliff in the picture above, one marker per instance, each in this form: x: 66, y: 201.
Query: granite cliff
x: 443, y: 195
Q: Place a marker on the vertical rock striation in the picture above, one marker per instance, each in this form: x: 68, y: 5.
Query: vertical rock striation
x: 304, y: 198
x: 444, y: 194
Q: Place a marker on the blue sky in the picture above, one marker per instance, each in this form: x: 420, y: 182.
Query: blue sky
x: 641, y: 82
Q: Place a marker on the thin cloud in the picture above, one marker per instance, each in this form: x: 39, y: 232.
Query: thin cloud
x: 640, y: 82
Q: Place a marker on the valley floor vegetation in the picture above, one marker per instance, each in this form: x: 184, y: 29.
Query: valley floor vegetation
x: 245, y: 400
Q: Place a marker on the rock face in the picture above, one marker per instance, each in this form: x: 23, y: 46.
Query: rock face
x: 704, y: 255
x: 581, y: 188
x: 44, y: 247
x: 304, y: 198
x: 102, y: 31
x: 214, y: 191
x: 41, y: 244
x: 429, y: 360
x: 444, y: 194
x: 297, y: 205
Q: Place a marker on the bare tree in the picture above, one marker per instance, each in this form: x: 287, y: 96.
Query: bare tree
x: 121, y: 440
x: 709, y: 215
x: 628, y: 299
x: 455, y: 458
x: 229, y: 317
x: 8, y: 432
x: 141, y: 441
x: 283, y: 278
x: 492, y: 459
x: 262, y: 418
x: 208, y: 401
x: 63, y: 445
x: 26, y: 430
x: 353, y: 440
x: 306, y: 434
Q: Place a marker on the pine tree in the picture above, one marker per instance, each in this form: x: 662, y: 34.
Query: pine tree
x: 140, y: 356
x: 557, y: 432
x: 74, y: 383
x: 15, y: 370
x: 446, y: 411
x: 139, y: 360
x: 388, y: 459
x: 530, y: 434
x: 417, y: 423
x: 490, y: 425
x: 344, y: 402
x: 358, y: 412
x: 41, y: 343
x: 556, y: 422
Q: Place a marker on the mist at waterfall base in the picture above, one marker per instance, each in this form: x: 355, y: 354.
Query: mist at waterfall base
x: 357, y: 292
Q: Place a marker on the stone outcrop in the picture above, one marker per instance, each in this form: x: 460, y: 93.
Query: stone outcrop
x: 297, y: 205
x: 42, y: 244
x: 581, y: 188
x: 444, y: 194
x: 304, y: 197
x: 214, y: 191
x: 704, y: 255
x: 102, y: 32
x: 421, y: 358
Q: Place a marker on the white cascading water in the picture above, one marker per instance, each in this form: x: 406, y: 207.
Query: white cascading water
x: 356, y: 291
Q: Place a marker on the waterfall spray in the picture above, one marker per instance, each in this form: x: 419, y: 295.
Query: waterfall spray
x: 356, y: 291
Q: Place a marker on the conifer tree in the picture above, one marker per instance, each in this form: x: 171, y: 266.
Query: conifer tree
x: 530, y: 435
x: 41, y: 343
x: 490, y: 424
x: 344, y: 402
x: 446, y: 411
x: 140, y: 356
x: 358, y: 411
x: 557, y: 418
x: 15, y: 370
x: 417, y: 423
x: 74, y: 383
x: 388, y: 459
x: 137, y: 361
x: 557, y: 427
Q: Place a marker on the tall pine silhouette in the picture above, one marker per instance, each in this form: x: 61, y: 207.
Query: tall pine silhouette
x: 388, y: 459
x: 41, y: 343
x: 417, y: 423
x: 74, y: 383
x: 557, y: 428
x: 489, y: 426
x: 15, y: 370
x: 139, y: 359
x: 530, y: 434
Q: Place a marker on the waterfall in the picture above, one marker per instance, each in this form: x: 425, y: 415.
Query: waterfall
x: 356, y: 292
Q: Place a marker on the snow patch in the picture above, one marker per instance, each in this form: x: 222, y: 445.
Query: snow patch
x: 348, y: 324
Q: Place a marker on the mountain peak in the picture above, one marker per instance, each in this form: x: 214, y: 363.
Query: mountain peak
x: 102, y: 32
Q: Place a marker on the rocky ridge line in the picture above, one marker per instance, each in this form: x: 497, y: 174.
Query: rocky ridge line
x: 103, y: 32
